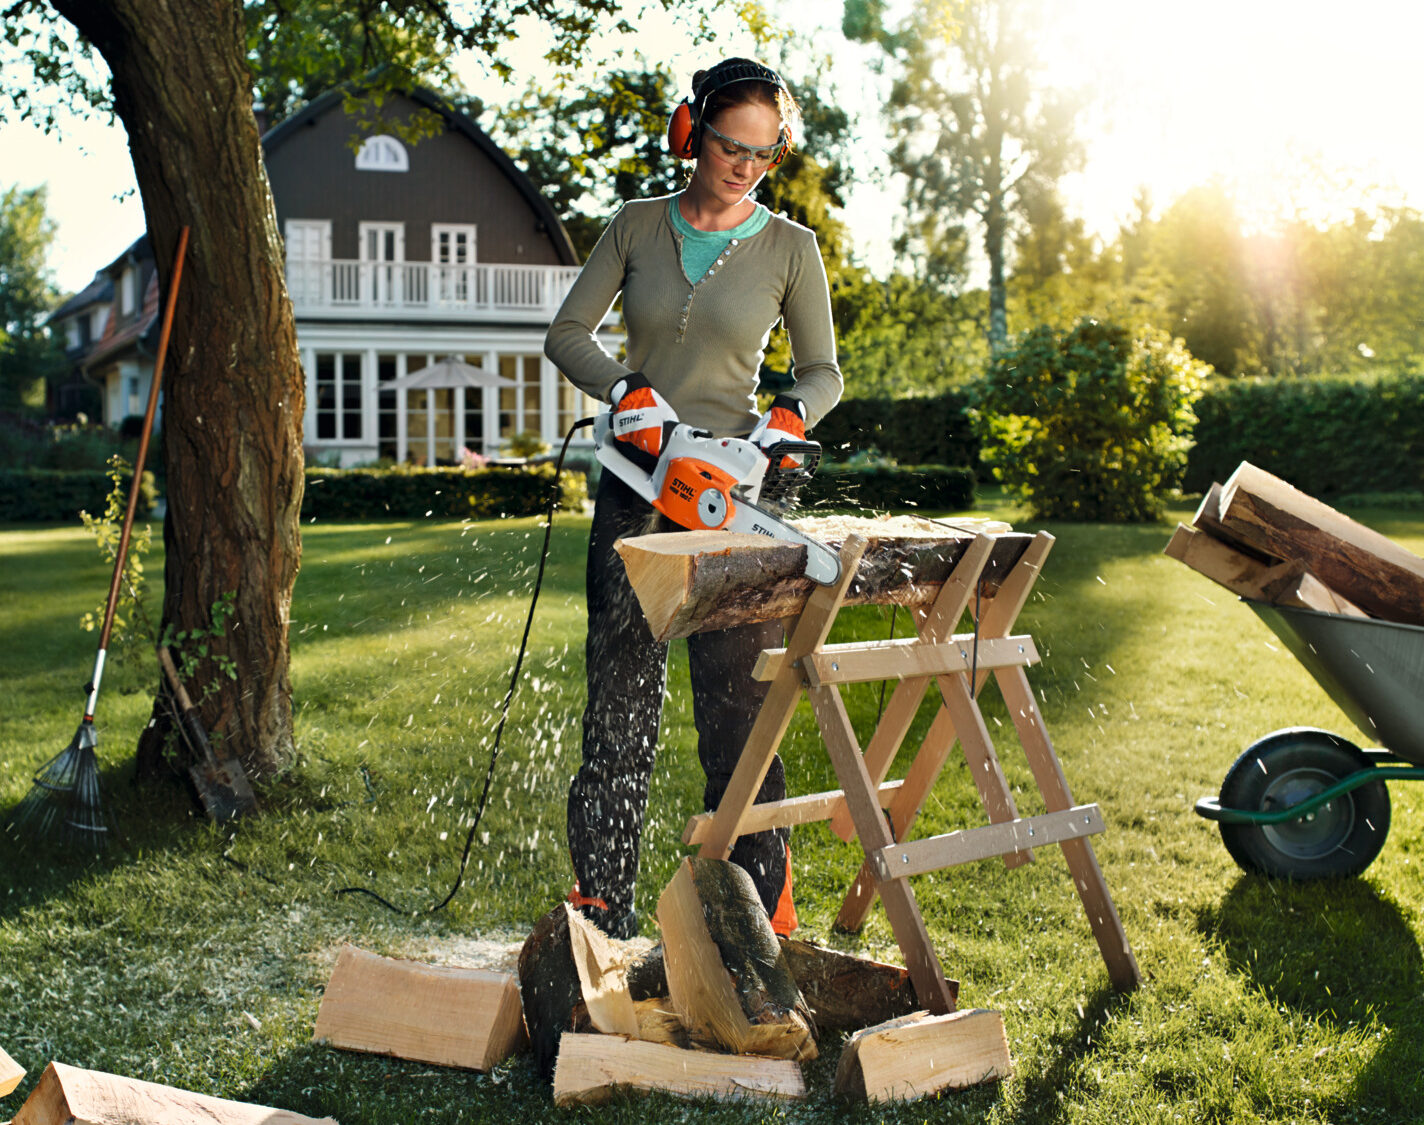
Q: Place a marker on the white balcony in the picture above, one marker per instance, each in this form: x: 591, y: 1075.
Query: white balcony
x: 427, y: 291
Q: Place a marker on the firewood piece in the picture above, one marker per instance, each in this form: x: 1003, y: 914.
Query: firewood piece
x: 10, y: 1074
x: 594, y: 1068
x: 1242, y: 574
x: 442, y: 1014
x: 658, y: 1022
x: 727, y: 976
x: 1365, y: 567
x: 1208, y: 519
x: 603, y: 977
x: 1296, y: 586
x: 921, y: 1054
x: 67, y: 1095
x: 692, y: 581
x: 846, y: 993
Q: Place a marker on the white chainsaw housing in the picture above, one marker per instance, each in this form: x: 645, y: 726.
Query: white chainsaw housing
x: 728, y: 507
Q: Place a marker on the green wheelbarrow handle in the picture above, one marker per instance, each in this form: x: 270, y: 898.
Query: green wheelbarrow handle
x: 1210, y: 807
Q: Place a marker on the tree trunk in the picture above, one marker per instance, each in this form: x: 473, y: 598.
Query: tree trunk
x: 234, y: 394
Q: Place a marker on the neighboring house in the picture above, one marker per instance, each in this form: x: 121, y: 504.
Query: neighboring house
x: 79, y: 324
x: 399, y: 257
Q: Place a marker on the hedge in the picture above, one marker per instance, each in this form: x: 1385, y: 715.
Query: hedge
x: 933, y: 487
x: 914, y: 431
x: 1325, y: 436
x: 48, y: 495
x: 449, y: 493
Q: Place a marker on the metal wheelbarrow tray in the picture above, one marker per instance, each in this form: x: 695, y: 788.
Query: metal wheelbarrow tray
x: 1303, y: 803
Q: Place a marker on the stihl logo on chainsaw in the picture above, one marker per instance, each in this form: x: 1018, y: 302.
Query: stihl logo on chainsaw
x: 682, y: 488
x: 756, y: 527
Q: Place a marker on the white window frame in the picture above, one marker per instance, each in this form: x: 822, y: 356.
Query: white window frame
x: 382, y: 153
x: 384, y: 277
x: 128, y: 283
x: 308, y: 278
x: 455, y: 280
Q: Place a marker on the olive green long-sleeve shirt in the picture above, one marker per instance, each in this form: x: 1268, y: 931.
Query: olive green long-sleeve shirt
x: 700, y: 344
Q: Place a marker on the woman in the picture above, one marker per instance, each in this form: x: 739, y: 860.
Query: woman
x: 705, y: 274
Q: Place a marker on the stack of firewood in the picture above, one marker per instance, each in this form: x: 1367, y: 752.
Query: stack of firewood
x: 724, y: 1008
x: 1267, y: 541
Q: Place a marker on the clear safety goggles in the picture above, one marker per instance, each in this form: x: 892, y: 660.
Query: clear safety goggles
x: 735, y: 152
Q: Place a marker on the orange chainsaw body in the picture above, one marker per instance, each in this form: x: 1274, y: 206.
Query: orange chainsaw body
x: 696, y: 494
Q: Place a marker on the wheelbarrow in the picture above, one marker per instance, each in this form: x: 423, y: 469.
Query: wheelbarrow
x: 1303, y: 803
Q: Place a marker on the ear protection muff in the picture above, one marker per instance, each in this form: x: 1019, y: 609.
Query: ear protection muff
x: 684, y: 125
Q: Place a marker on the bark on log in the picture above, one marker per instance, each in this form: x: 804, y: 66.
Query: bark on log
x: 441, y: 1014
x: 726, y: 973
x: 922, y: 1054
x: 846, y: 993
x: 694, y: 581
x: 594, y: 1068
x: 67, y: 1095
x: 1365, y: 567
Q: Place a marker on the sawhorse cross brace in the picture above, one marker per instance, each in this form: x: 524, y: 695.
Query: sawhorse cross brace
x: 882, y: 813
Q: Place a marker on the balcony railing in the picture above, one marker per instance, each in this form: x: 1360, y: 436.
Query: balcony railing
x: 428, y: 290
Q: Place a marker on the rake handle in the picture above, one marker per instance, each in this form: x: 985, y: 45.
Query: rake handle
x: 143, y: 445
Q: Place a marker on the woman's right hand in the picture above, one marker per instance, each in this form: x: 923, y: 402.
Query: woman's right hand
x: 642, y: 418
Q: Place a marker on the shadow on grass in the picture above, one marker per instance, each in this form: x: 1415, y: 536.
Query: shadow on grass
x: 1340, y: 953
x: 40, y: 862
x: 1043, y: 1100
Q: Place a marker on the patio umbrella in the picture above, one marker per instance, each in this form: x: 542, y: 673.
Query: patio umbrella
x: 450, y: 372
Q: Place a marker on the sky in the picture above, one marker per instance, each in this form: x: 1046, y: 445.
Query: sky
x: 1299, y: 106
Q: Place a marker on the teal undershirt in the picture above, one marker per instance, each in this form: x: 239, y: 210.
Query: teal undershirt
x: 700, y: 248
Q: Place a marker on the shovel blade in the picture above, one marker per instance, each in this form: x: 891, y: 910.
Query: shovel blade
x: 223, y: 789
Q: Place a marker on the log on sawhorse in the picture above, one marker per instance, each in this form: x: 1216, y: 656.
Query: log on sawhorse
x: 880, y: 813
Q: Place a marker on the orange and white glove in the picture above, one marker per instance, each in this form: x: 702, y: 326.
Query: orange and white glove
x: 642, y: 419
x: 785, y: 421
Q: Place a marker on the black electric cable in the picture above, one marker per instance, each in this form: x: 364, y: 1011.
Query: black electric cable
x: 504, y: 707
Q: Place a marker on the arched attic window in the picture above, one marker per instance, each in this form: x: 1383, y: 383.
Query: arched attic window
x: 382, y: 153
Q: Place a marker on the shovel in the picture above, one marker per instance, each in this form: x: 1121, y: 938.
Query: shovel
x: 222, y: 786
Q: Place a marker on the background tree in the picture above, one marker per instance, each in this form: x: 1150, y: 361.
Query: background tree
x: 28, y: 355
x: 978, y: 136
x: 180, y: 81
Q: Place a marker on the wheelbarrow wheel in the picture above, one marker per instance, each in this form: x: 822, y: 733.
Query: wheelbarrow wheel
x: 1287, y: 767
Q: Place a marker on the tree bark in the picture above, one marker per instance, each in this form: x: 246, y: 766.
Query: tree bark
x: 234, y: 394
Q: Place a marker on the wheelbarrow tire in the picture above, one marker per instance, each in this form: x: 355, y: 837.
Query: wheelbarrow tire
x: 1341, y: 838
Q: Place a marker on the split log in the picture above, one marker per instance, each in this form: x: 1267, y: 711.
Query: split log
x: 728, y: 979
x: 1365, y: 567
x: 693, y: 581
x: 67, y: 1095
x: 846, y: 993
x: 594, y: 1068
x: 922, y: 1054
x: 658, y: 1022
x: 842, y: 992
x: 10, y: 1074
x: 573, y: 977
x: 1280, y: 583
x: 441, y: 1014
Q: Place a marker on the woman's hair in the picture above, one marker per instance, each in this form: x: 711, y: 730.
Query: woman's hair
x: 774, y: 95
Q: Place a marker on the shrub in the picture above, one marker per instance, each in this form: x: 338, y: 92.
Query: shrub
x: 1091, y: 423
x: 411, y: 493
x: 932, y: 487
x: 61, y: 494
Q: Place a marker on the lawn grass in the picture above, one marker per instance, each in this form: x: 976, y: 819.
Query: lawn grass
x: 196, y: 956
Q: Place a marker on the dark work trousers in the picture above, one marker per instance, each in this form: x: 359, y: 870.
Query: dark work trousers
x: 627, y: 671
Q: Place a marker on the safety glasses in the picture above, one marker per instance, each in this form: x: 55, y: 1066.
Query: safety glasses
x: 735, y: 152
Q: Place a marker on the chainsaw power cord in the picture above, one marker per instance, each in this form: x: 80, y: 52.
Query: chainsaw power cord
x: 504, y: 707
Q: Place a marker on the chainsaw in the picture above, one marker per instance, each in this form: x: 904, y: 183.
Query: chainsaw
x: 706, y: 483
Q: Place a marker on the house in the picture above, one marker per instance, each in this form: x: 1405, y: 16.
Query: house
x: 423, y: 278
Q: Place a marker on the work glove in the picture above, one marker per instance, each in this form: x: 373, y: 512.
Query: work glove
x: 785, y: 421
x: 642, y: 419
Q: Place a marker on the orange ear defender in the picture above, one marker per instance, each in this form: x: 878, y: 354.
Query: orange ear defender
x: 679, y: 131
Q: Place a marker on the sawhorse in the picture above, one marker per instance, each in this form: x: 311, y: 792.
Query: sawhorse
x: 882, y: 813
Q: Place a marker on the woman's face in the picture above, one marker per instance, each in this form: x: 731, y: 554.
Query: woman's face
x: 721, y: 167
